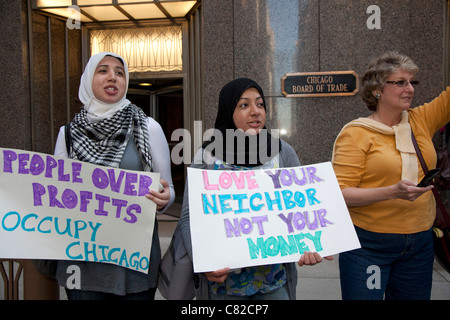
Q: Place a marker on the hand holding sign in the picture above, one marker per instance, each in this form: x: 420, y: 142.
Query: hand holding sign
x: 311, y: 258
x: 160, y: 197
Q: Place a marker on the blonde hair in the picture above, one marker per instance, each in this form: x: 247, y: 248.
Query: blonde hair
x: 378, y: 72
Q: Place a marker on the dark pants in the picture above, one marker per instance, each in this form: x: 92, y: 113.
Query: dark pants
x: 393, y: 266
x: 94, y: 295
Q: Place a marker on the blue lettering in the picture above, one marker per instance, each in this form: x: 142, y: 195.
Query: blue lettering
x: 78, y: 257
x: 207, y: 204
x: 17, y: 223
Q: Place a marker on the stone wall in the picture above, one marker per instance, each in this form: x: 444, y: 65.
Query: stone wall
x: 265, y: 39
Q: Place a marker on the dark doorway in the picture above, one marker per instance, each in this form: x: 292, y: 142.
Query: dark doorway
x: 162, y: 99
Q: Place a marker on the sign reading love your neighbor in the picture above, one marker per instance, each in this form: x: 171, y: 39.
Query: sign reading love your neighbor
x: 260, y: 217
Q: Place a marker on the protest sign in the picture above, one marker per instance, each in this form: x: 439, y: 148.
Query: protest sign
x: 55, y: 208
x: 260, y: 217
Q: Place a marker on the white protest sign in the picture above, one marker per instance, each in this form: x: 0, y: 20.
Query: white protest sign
x: 260, y: 217
x: 55, y: 208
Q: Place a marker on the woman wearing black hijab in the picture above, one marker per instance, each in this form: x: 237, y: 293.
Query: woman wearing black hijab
x: 241, y: 141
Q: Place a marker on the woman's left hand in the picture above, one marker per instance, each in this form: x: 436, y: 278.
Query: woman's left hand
x: 311, y: 258
x: 161, y: 198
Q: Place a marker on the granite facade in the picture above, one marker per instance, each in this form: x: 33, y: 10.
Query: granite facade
x: 15, y: 118
x: 265, y: 39
x: 259, y: 39
x: 35, y: 84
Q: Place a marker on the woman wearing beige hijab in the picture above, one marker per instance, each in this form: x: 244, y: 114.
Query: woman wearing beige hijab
x: 111, y: 131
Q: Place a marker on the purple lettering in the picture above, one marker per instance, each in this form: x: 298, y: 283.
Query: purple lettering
x: 101, y: 202
x: 37, y: 165
x: 115, y: 184
x: 23, y: 161
x: 259, y: 220
x: 119, y: 204
x: 285, y: 178
x: 52, y: 193
x: 8, y: 157
x: 76, y: 168
x: 69, y: 199
x: 246, y: 225
x: 321, y: 215
x: 61, y: 175
x: 274, y: 176
x: 38, y: 192
x: 231, y: 229
x: 288, y: 221
x: 130, y: 179
x: 137, y: 209
x: 296, y: 180
x: 51, y: 164
x: 300, y: 217
x: 312, y: 175
x: 144, y: 183
x: 100, y: 178
x: 85, y: 196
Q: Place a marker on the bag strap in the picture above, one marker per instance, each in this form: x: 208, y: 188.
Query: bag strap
x: 436, y: 194
x: 68, y: 138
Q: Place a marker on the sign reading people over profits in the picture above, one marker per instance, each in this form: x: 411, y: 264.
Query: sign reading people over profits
x: 259, y: 217
x: 55, y: 208
x: 320, y: 84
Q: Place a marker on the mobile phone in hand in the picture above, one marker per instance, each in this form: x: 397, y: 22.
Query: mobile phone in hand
x: 426, y: 181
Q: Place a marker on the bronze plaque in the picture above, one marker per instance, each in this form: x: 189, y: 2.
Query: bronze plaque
x: 320, y: 84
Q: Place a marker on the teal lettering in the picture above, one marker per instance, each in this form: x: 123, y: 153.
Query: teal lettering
x: 225, y: 207
x: 94, y: 229
x: 316, y: 240
x: 310, y: 193
x: 40, y: 223
x: 79, y: 226
x: 271, y: 246
x: 123, y: 257
x: 207, y: 204
x: 274, y: 246
x: 87, y: 252
x: 287, y: 195
x: 7, y: 215
x: 111, y: 253
x: 77, y: 243
x: 104, y: 258
x: 285, y: 248
x: 302, y: 247
x: 270, y: 202
x: 256, y: 249
x: 67, y: 230
x: 239, y: 198
x: 252, y: 205
x: 28, y: 216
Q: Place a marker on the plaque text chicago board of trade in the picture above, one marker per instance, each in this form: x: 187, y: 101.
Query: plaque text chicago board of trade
x: 320, y: 84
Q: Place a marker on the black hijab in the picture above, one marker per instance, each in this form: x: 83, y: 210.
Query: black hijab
x: 257, y: 148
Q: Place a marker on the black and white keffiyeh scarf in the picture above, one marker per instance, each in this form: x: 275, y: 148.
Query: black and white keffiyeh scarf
x: 104, y: 142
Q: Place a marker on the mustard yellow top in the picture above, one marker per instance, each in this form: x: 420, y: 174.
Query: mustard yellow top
x: 367, y: 159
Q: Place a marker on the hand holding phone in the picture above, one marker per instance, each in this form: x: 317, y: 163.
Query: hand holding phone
x: 426, y: 181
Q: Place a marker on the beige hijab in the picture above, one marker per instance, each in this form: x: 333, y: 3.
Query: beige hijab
x: 403, y: 141
x: 96, y: 109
